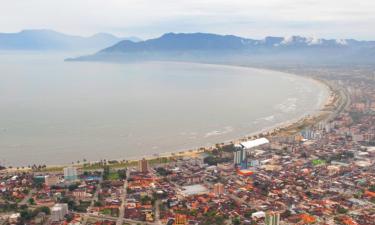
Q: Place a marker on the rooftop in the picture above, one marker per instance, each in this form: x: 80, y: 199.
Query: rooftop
x: 254, y: 143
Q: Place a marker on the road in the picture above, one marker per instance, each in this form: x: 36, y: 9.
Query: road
x: 157, y: 212
x: 93, y: 200
x: 344, y: 101
x: 111, y: 218
x: 120, y: 219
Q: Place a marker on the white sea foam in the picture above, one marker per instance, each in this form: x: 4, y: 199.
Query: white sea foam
x: 226, y: 130
x: 269, y: 118
x: 288, y: 106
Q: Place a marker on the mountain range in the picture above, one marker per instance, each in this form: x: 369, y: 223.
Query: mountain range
x: 197, y: 47
x: 52, y: 40
x: 205, y: 47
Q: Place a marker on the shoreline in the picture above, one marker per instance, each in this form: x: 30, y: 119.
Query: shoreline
x: 283, y: 128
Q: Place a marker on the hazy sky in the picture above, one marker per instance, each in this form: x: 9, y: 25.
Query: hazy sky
x: 150, y: 18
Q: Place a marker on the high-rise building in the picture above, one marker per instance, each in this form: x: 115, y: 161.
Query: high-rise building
x: 242, y: 148
x: 218, y: 189
x: 58, y: 212
x: 239, y: 156
x: 143, y: 166
x: 70, y: 173
x: 272, y: 218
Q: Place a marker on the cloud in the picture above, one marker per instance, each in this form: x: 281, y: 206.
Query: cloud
x: 148, y: 18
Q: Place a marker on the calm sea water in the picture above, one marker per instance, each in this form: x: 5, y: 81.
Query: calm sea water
x: 57, y: 112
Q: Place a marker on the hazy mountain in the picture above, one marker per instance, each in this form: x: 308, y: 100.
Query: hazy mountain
x: 52, y: 40
x: 215, y: 48
x: 182, y: 42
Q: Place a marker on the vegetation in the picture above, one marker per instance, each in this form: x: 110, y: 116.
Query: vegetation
x: 236, y: 221
x: 27, y: 215
x: 317, y: 162
x: 214, y: 160
x: 8, y: 207
x: 122, y: 174
x: 72, y: 205
x: 105, y: 211
x: 73, y: 187
x: 31, y: 201
x: 69, y: 217
x: 109, y: 174
x: 147, y: 200
x: 98, y: 204
x: 163, y: 172
x: 225, y: 148
x: 340, y: 156
x: 211, y: 217
x: 341, y: 210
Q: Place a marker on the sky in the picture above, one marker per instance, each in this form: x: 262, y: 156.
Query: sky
x: 151, y: 18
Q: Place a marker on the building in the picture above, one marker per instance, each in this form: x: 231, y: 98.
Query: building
x: 272, y: 218
x: 58, y: 212
x: 194, y: 179
x: 40, y: 218
x: 239, y: 156
x: 81, y: 195
x: 253, y: 143
x: 242, y: 148
x: 196, y: 189
x: 180, y: 219
x: 149, y: 215
x: 51, y: 180
x: 13, y: 219
x: 245, y: 172
x: 254, y: 163
x: 308, y: 134
x: 70, y: 173
x: 143, y: 166
x: 218, y: 189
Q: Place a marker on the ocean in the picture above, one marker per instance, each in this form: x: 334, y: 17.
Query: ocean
x: 56, y: 112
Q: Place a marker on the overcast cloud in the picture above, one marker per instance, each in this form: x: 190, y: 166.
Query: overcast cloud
x: 150, y: 18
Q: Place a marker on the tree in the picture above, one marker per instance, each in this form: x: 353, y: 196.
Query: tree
x: 45, y: 209
x: 72, y: 187
x: 31, y: 201
x: 69, y: 217
x: 341, y: 210
x: 122, y: 174
x: 23, y: 207
x: 162, y: 171
x: 25, y: 215
x: 236, y: 221
x: 105, y: 172
x: 145, y: 199
x: 98, y: 204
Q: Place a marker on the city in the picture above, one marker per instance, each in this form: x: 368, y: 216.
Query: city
x: 319, y: 171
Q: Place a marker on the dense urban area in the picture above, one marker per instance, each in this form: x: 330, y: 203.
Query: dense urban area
x: 319, y: 170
